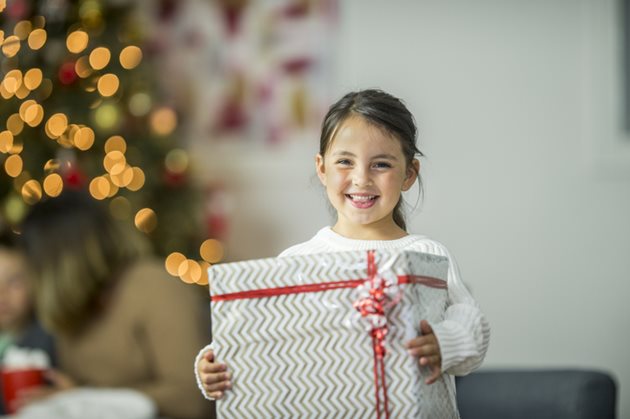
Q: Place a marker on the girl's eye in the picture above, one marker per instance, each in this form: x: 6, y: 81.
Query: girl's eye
x: 344, y: 162
x: 382, y: 165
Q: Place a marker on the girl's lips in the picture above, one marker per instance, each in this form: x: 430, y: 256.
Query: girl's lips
x: 362, y: 201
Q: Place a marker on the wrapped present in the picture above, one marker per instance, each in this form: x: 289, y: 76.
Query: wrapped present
x: 323, y: 335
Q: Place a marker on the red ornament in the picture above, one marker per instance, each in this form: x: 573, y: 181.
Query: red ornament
x: 74, y: 178
x: 67, y: 74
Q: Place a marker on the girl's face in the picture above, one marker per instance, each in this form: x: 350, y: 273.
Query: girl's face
x: 15, y: 291
x: 364, y: 172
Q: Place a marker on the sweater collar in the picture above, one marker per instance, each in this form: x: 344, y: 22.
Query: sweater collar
x: 344, y: 243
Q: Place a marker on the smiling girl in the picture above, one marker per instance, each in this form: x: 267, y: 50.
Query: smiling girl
x: 367, y: 158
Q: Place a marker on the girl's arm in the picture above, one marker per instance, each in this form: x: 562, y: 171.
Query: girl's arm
x: 464, y: 334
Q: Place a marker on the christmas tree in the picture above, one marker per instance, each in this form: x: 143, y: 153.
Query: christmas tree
x: 80, y: 108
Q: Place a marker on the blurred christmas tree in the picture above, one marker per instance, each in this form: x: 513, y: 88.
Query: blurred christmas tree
x: 80, y: 108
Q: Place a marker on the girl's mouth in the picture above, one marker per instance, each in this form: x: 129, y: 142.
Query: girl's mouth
x: 362, y: 201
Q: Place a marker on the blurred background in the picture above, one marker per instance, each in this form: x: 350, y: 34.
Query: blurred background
x: 199, y: 125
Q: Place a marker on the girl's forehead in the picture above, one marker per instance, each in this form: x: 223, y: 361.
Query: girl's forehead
x: 358, y: 134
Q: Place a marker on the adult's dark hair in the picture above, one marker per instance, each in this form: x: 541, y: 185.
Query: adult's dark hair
x: 385, y: 112
x: 77, y: 252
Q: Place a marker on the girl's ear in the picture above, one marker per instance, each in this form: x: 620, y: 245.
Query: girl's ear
x: 320, y: 168
x: 412, y: 174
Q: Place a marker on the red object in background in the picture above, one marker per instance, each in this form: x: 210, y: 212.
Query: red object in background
x: 217, y: 209
x: 297, y: 65
x: 67, y: 74
x: 173, y: 179
x: 232, y: 116
x: 15, y: 381
x: 74, y: 178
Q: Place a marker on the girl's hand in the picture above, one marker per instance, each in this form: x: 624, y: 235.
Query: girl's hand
x: 427, y: 349
x: 59, y: 382
x: 214, y: 376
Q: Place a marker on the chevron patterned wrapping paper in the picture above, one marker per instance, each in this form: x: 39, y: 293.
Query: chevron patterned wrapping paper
x: 307, y: 352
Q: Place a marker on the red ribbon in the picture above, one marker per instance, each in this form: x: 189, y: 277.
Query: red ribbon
x: 373, y: 305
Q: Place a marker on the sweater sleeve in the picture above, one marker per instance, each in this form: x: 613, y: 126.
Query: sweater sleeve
x: 464, y: 333
x: 197, y: 376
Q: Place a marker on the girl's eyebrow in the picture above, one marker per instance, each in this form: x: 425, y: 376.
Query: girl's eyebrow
x: 378, y: 156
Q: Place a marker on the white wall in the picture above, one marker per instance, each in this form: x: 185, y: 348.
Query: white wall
x: 510, y: 110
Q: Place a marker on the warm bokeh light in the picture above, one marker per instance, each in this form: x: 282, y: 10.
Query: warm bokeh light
x: 203, y: 280
x: 211, y: 250
x: 176, y: 160
x: 31, y: 192
x: 108, y: 85
x: 113, y: 189
x: 4, y: 92
x: 33, y: 78
x: 22, y: 92
x: 112, y: 159
x: 99, y: 58
x: 83, y: 139
x: 123, y: 177
x: 120, y: 208
x: 53, y: 185
x: 37, y: 39
x: 172, y: 263
x: 15, y: 124
x: 24, y: 106
x: 138, y: 180
x: 12, y: 81
x: 13, y: 165
x: 146, y: 220
x: 11, y: 46
x: 17, y: 147
x: 99, y: 188
x: 130, y: 57
x: 56, y: 125
x: 6, y: 141
x: 77, y: 41
x: 115, y: 143
x: 3, y: 4
x: 163, y: 121
x: 33, y: 114
x: 51, y: 165
x: 189, y: 271
x: 82, y: 67
x: 22, y: 29
x: 140, y: 104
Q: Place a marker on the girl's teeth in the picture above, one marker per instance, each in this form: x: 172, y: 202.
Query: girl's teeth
x: 362, y: 197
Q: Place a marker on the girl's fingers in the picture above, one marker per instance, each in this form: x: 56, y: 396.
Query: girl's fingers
x: 212, y: 367
x: 220, y: 386
x: 216, y: 395
x: 425, y: 350
x: 433, y: 360
x: 216, y: 377
x: 209, y: 356
x: 437, y: 372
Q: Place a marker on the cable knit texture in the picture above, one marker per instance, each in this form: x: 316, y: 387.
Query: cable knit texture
x: 463, y: 335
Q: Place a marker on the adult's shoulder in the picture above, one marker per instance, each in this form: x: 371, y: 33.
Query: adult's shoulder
x: 149, y: 277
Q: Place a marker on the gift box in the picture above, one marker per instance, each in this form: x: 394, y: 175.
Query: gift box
x: 323, y: 335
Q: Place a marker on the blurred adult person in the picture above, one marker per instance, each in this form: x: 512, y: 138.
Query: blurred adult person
x: 120, y: 321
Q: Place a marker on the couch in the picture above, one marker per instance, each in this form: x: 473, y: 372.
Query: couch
x: 537, y: 394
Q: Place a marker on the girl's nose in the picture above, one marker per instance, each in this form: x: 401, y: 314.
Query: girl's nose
x: 361, y: 178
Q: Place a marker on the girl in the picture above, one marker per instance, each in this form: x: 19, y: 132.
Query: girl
x: 366, y: 159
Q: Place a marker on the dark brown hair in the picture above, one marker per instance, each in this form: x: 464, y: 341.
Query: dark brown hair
x: 77, y: 252
x: 383, y: 111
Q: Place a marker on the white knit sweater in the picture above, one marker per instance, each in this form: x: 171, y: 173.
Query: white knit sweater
x: 463, y: 335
